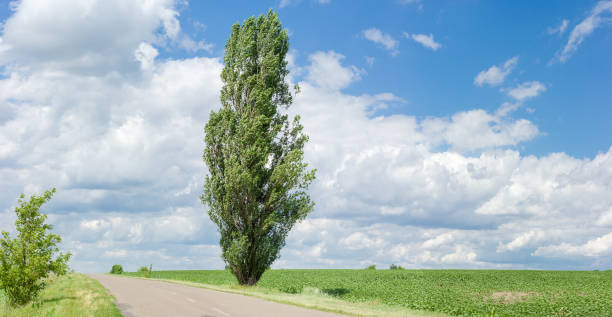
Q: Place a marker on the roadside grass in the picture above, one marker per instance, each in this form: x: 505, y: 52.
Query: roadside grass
x: 71, y: 295
x: 411, y: 292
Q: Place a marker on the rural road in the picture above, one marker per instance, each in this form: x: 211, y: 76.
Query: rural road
x: 138, y: 297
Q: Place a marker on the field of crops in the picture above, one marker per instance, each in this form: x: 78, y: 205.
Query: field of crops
x: 456, y: 292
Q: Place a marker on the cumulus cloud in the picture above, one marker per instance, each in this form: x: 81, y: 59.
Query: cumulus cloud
x: 387, y: 41
x: 495, y: 75
x: 592, y: 248
x: 326, y: 72
x: 477, y: 129
x: 145, y: 54
x: 605, y: 220
x: 31, y: 36
x: 526, y: 90
x: 425, y: 40
x: 520, y: 241
x: 599, y: 15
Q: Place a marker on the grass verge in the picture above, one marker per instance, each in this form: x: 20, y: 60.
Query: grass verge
x: 72, y: 295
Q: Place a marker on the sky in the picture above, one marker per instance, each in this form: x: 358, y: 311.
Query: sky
x: 445, y: 134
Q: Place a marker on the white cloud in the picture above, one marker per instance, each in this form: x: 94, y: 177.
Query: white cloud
x: 120, y: 253
x: 495, y: 75
x: 461, y: 255
x: 387, y: 41
x: 605, y: 219
x: 145, y: 54
x: 358, y: 240
x: 425, y: 40
x: 526, y: 90
x: 326, y: 72
x: 438, y: 240
x: 477, y: 129
x: 32, y: 38
x: 560, y: 29
x: 520, y: 241
x: 592, y: 248
x: 192, y: 46
x: 583, y: 29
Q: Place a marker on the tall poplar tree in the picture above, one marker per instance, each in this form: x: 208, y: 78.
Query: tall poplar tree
x: 257, y: 181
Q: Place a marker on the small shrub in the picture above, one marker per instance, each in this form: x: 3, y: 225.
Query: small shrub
x: 117, y: 269
x: 146, y: 271
x: 371, y: 267
x: 395, y: 267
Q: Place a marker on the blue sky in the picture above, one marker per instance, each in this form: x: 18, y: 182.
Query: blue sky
x: 446, y: 134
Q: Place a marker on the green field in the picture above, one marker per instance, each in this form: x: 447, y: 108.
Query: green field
x: 455, y: 292
x: 72, y: 295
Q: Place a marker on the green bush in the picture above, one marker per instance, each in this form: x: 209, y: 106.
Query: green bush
x: 146, y: 271
x: 371, y: 267
x: 395, y: 267
x: 27, y: 260
x: 117, y: 269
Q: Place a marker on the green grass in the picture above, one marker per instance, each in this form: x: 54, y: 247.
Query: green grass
x: 454, y: 292
x: 72, y: 295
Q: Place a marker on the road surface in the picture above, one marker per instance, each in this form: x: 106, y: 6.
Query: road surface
x: 139, y: 297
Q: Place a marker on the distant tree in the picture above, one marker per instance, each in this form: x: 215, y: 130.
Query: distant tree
x: 371, y: 267
x: 146, y: 271
x: 395, y: 267
x: 28, y: 259
x: 117, y: 269
x: 257, y: 181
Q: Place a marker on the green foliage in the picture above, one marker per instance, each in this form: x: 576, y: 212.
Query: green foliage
x: 455, y: 292
x: 395, y: 267
x: 116, y: 269
x: 28, y: 259
x: 371, y: 267
x: 257, y: 181
x: 146, y: 271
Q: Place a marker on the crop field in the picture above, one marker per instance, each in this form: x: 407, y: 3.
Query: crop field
x: 455, y: 292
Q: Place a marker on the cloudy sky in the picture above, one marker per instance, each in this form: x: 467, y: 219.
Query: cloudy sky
x: 445, y: 134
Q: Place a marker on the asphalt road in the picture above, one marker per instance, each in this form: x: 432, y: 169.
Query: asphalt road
x: 138, y: 297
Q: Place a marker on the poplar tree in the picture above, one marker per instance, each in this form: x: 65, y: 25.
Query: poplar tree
x: 257, y: 181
